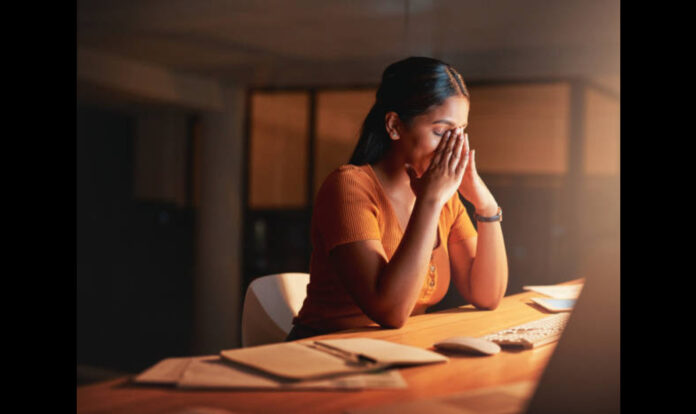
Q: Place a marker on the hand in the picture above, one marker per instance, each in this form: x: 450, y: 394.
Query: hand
x: 473, y: 189
x: 443, y: 176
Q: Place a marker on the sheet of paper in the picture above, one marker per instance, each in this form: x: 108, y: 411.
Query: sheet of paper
x: 167, y: 371
x: 295, y: 361
x: 217, y: 373
x: 555, y: 305
x: 557, y: 291
x: 212, y: 372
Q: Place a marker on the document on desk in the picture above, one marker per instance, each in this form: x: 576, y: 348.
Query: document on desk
x: 308, y: 360
x: 558, y: 291
x: 555, y: 305
x: 166, y: 372
x: 212, y: 372
x: 349, y: 363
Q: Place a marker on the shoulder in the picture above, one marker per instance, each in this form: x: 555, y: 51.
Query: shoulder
x: 348, y: 178
x: 347, y: 199
x: 349, y: 172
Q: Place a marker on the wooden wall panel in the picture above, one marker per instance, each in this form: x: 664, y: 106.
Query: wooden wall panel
x: 520, y: 128
x: 602, y: 134
x: 278, y: 150
x: 340, y: 115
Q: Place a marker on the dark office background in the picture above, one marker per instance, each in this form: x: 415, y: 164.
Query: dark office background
x: 134, y: 258
x: 171, y: 224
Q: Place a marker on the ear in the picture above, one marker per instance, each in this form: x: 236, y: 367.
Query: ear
x: 392, y: 123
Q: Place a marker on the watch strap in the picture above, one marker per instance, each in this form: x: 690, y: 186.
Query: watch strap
x: 497, y: 217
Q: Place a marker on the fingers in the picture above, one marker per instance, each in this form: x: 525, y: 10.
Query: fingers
x: 440, y: 149
x: 472, y: 168
x: 465, y: 158
x: 456, y: 152
x: 451, y: 148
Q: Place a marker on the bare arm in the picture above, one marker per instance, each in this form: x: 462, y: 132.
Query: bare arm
x: 479, y: 264
x: 387, y: 290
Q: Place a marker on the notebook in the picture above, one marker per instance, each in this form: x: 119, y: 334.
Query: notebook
x: 353, y: 363
x: 212, y: 372
x: 330, y: 357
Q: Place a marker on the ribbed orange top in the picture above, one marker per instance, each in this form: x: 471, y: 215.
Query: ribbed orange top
x: 350, y: 206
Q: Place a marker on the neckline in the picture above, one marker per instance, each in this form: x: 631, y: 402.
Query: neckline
x: 393, y: 212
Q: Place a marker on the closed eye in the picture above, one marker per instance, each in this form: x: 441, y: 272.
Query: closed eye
x: 439, y: 134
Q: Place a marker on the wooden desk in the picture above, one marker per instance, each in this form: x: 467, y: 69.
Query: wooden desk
x: 460, y: 374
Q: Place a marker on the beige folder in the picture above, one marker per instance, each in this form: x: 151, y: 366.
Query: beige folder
x: 213, y: 372
x: 217, y: 373
x: 307, y: 360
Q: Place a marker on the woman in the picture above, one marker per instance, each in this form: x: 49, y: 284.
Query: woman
x: 388, y: 229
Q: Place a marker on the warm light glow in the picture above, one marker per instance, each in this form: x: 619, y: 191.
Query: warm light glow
x: 520, y: 128
x: 278, y: 150
x: 340, y: 115
x: 602, y: 133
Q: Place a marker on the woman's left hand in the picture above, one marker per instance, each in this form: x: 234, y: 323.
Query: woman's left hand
x: 472, y: 187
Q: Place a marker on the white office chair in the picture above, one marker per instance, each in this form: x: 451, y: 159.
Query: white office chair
x: 270, y: 304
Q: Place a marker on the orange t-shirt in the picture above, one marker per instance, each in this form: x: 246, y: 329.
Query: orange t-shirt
x: 350, y: 206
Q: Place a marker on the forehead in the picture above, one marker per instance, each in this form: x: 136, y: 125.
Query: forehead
x: 454, y: 110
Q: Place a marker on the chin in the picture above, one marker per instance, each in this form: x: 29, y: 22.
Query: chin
x: 420, y: 165
x: 420, y: 169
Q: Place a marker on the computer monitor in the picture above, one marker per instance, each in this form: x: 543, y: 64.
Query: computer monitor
x: 583, y: 374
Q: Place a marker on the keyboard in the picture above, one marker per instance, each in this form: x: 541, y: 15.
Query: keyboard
x: 532, y: 334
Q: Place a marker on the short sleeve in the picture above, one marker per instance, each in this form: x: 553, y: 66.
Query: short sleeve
x: 462, y: 227
x: 346, y: 208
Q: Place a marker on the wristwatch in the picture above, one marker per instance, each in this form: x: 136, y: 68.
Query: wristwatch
x: 498, y: 217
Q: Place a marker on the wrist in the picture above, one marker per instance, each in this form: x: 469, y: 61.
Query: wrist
x: 497, y: 217
x: 487, y: 210
x: 429, y: 203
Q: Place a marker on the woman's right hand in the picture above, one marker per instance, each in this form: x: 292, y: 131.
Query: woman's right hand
x: 443, y: 176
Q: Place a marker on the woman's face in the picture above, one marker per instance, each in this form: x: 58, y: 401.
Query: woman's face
x: 419, y: 141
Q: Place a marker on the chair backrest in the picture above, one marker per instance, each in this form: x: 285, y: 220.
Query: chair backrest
x: 270, y: 304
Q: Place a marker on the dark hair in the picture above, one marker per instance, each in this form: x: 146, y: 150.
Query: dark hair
x: 409, y: 87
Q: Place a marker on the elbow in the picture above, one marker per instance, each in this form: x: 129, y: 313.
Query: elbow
x: 487, y: 299
x: 390, y: 318
x: 392, y: 324
x: 487, y: 304
x: 486, y: 307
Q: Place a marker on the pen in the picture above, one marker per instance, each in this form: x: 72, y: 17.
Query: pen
x: 345, y: 354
